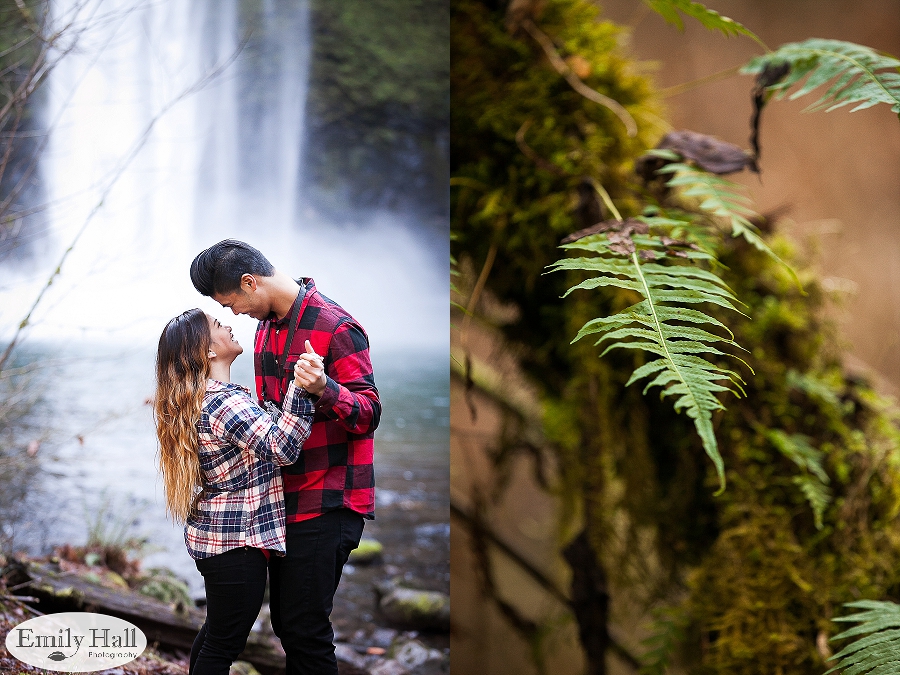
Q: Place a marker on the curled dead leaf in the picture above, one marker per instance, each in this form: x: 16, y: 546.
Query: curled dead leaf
x: 629, y: 224
x: 624, y: 247
x: 707, y: 152
x: 771, y: 74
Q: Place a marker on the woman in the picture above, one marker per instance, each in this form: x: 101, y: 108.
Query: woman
x: 219, y: 456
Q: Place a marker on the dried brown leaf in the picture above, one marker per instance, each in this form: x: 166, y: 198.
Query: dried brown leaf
x: 707, y: 152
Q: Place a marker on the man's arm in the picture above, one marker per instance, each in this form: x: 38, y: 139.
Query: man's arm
x: 350, y: 396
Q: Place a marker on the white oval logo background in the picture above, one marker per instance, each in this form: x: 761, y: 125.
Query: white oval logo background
x: 76, y: 642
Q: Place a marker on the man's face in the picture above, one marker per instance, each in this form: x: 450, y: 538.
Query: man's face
x: 252, y: 303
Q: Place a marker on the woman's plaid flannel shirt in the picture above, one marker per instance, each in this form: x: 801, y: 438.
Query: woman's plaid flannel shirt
x: 241, y: 448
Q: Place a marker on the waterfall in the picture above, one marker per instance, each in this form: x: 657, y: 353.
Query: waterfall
x: 223, y: 161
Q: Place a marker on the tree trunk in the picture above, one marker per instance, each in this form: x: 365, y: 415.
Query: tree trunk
x: 590, y: 601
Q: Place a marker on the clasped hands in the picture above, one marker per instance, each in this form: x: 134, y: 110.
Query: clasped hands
x: 309, y: 371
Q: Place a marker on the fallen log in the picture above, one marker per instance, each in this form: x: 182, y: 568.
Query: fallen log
x: 171, y: 627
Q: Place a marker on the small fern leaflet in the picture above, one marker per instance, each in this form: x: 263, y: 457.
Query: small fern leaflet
x: 879, y: 652
x: 813, y: 482
x: 711, y: 19
x: 722, y: 199
x: 680, y: 338
x: 858, y: 74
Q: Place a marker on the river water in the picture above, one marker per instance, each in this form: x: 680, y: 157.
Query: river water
x: 96, y: 465
x: 144, y: 169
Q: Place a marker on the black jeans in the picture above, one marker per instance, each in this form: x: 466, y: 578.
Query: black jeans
x: 302, y: 586
x: 235, y: 583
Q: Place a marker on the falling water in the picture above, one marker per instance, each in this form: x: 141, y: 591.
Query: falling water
x: 160, y: 145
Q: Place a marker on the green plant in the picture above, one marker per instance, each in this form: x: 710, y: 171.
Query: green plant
x: 878, y: 653
x: 638, y: 255
x: 857, y: 74
x: 809, y: 516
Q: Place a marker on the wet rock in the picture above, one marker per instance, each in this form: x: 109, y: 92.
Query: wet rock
x: 413, y: 655
x: 368, y: 551
x: 389, y: 667
x: 242, y: 668
x: 412, y: 608
x: 347, y: 654
x: 383, y: 637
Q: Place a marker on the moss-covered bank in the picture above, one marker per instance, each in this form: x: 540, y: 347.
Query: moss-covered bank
x: 749, y: 579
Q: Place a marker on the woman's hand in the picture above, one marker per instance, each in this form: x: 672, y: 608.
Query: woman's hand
x: 309, y: 371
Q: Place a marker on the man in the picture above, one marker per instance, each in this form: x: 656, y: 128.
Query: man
x: 330, y: 490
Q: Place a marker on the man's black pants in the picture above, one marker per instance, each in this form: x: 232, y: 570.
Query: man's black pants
x: 302, y: 586
x: 235, y: 584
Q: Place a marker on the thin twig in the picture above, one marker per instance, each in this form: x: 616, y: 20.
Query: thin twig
x: 120, y: 170
x: 575, y: 82
x: 706, y: 79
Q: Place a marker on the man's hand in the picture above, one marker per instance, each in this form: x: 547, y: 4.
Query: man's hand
x: 309, y: 371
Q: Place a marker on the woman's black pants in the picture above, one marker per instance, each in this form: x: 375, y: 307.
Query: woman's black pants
x: 235, y: 585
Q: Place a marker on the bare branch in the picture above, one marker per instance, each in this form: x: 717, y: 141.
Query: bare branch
x: 575, y: 82
x: 119, y: 171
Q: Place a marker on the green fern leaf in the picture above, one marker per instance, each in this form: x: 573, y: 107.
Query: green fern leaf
x: 723, y: 199
x: 711, y: 19
x: 814, y: 480
x: 879, y: 652
x: 857, y: 74
x: 681, y: 339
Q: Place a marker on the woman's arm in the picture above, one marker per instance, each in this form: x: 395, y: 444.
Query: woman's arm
x: 235, y: 418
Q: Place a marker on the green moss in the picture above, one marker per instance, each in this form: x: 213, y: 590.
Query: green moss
x: 367, y: 551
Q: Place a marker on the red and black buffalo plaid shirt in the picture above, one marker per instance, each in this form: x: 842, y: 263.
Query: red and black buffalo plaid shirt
x: 335, y: 467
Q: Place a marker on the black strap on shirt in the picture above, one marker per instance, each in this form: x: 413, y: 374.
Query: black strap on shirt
x: 282, y: 362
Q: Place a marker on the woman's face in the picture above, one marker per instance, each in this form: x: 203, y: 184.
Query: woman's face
x: 222, y: 342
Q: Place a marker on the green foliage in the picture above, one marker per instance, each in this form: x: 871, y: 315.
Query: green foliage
x: 500, y: 195
x: 810, y: 454
x: 813, y: 483
x: 809, y: 519
x: 659, y: 323
x: 378, y: 103
x: 711, y: 19
x: 857, y: 74
x: 668, y: 632
x: 719, y: 197
x: 879, y: 652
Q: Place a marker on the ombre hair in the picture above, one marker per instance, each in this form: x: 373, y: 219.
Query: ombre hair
x: 182, y: 367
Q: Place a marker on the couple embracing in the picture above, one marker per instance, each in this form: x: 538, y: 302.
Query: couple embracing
x: 276, y: 486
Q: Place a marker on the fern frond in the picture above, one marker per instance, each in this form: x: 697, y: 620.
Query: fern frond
x: 817, y: 494
x: 681, y: 339
x: 711, y: 19
x: 857, y: 74
x: 879, y: 652
x: 723, y: 199
x: 814, y: 480
x: 668, y: 629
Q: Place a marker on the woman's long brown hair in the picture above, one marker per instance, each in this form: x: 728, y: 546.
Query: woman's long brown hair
x: 182, y: 367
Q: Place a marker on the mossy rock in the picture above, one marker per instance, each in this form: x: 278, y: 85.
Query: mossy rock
x: 368, y: 551
x: 243, y: 668
x: 414, y: 608
x: 162, y: 584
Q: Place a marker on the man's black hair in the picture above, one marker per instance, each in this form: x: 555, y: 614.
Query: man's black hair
x: 218, y: 269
